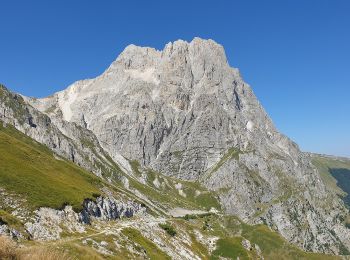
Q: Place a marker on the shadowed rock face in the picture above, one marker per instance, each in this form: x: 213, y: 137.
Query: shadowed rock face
x: 342, y: 175
x: 108, y: 209
x: 185, y: 112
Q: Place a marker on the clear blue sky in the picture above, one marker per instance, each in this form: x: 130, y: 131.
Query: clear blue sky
x: 294, y: 53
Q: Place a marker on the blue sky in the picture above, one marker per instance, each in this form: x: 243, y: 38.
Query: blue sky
x: 294, y: 53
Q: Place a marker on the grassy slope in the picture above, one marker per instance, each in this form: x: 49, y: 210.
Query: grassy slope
x: 230, y: 248
x: 30, y: 169
x: 336, y: 175
x: 142, y: 243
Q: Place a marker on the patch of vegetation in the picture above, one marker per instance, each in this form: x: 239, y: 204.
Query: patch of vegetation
x: 230, y: 248
x: 168, y: 196
x: 199, y: 248
x: 29, y: 169
x: 206, y: 199
x: 191, y: 216
x: 168, y: 228
x: 135, y: 165
x: 206, y: 225
x: 152, y: 251
x: 232, y: 153
x: 11, y: 221
x: 178, y: 154
x: 274, y: 246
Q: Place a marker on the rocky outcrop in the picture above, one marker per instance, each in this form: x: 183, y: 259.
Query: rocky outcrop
x: 48, y: 224
x: 9, y: 231
x: 109, y: 209
x: 184, y: 112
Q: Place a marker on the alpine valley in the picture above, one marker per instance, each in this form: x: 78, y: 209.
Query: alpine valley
x: 166, y: 155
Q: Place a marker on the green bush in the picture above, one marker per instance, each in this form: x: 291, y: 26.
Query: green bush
x: 189, y: 216
x: 168, y: 228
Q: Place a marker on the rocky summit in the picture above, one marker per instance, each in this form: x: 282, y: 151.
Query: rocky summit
x: 184, y: 114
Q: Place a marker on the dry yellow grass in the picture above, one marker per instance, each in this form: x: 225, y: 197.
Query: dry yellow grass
x: 39, y: 253
x: 10, y: 251
x: 7, y: 248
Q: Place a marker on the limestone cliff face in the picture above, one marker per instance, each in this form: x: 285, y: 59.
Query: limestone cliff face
x: 185, y: 112
x: 48, y: 224
x: 177, y: 110
x: 66, y: 139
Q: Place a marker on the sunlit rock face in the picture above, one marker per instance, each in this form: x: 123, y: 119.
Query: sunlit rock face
x: 184, y: 112
x: 177, y: 110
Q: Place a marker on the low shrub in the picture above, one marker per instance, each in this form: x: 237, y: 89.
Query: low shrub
x: 168, y: 228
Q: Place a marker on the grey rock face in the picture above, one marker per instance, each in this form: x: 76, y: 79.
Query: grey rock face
x: 3, y: 229
x: 66, y: 139
x: 177, y: 110
x: 11, y: 232
x: 49, y: 223
x: 246, y: 244
x: 109, y: 209
x: 185, y: 112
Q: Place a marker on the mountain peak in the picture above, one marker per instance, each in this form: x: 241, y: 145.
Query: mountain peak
x: 198, y: 57
x: 134, y: 56
x: 196, y: 42
x: 198, y: 46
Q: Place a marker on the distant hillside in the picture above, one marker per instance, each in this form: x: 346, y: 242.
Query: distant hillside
x: 335, y: 172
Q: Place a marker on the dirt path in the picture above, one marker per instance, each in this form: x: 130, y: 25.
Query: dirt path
x: 180, y: 212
